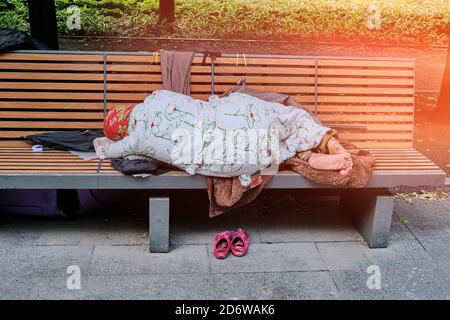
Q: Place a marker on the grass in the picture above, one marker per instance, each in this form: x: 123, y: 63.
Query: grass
x: 402, y: 21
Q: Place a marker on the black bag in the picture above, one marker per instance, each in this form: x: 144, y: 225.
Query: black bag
x: 76, y: 140
x: 67, y: 140
x: 139, y: 166
x: 17, y: 40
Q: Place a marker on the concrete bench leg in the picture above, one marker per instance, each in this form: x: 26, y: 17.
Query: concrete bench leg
x: 159, y: 224
x: 371, y: 211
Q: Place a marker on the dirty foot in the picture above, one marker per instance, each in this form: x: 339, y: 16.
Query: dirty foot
x: 341, y: 162
x: 334, y: 147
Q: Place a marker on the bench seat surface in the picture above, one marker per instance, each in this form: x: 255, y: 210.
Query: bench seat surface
x: 21, y: 168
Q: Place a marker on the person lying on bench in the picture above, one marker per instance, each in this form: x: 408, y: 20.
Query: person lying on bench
x: 231, y: 136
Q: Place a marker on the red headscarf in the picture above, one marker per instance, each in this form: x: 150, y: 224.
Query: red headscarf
x: 115, y: 125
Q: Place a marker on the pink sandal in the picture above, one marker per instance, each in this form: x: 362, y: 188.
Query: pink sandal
x: 240, y: 240
x: 222, y: 244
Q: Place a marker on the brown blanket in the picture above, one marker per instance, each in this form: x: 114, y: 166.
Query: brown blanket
x: 226, y: 194
x: 358, y: 176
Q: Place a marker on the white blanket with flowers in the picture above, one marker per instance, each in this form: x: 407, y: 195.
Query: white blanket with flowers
x: 225, y: 137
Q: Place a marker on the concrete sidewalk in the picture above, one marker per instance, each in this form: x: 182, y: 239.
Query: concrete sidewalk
x: 301, y: 249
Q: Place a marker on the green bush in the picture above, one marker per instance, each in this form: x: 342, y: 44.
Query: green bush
x: 402, y: 20
x: 14, y: 15
x: 407, y: 21
x: 111, y: 17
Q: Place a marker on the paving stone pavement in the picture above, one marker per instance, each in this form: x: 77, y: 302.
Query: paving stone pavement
x: 300, y: 249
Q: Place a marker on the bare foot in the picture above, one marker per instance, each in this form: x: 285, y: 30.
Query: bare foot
x: 334, y: 147
x: 341, y: 162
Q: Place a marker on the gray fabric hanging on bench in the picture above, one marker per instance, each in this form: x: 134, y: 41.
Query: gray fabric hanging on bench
x: 176, y: 71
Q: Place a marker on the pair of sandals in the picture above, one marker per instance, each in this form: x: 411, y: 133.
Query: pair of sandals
x: 235, y: 241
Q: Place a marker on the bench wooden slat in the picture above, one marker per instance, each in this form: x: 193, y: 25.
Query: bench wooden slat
x: 399, y: 156
x: 263, y: 70
x: 364, y: 99
x: 362, y: 108
x: 49, y: 171
x: 402, y: 161
x: 51, y: 115
x: 22, y: 149
x: 253, y: 80
x: 365, y: 118
x: 395, y: 159
x: 28, y: 153
x: 55, y: 166
x: 395, y: 151
x: 144, y: 59
x: 375, y: 144
x: 129, y: 58
x: 41, y: 156
x: 404, y: 164
x: 373, y: 136
x: 45, y: 161
x: 365, y: 63
x: 366, y: 72
x: 14, y: 143
x: 265, y: 61
x: 150, y: 68
x: 43, y: 86
x: 51, y: 66
x: 16, y: 134
x: 134, y: 87
x: 280, y: 89
x: 397, y: 170
x: 373, y: 126
x: 51, y: 105
x: 135, y: 77
x: 365, y: 90
x: 363, y: 81
x: 139, y: 97
x: 52, y: 124
x: 51, y: 95
x: 51, y: 76
x: 51, y: 57
x: 133, y: 68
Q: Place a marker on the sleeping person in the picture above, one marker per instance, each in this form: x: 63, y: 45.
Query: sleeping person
x: 231, y: 136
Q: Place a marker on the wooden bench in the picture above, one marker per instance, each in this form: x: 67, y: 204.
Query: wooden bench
x: 369, y: 101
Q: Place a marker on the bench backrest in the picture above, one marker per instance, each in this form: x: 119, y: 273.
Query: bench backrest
x: 370, y: 101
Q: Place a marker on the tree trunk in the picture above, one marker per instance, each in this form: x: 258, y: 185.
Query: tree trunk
x: 167, y: 11
x: 43, y: 22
